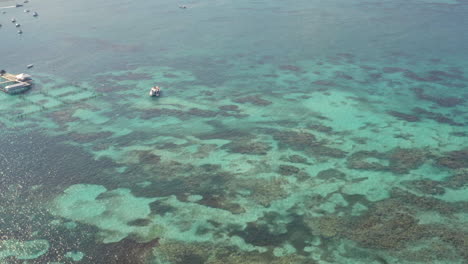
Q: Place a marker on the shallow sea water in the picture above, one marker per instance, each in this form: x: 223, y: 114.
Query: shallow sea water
x: 287, y: 132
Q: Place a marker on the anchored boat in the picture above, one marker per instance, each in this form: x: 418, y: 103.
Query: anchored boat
x: 14, y: 84
x: 155, y: 91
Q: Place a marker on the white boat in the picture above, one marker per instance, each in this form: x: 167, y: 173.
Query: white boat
x: 155, y: 91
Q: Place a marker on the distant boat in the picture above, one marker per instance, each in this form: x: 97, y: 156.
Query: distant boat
x: 35, y: 14
x: 29, y: 66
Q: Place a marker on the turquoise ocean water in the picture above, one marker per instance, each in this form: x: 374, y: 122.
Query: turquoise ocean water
x: 287, y: 132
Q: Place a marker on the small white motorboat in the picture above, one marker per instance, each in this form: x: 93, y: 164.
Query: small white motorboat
x: 155, y: 91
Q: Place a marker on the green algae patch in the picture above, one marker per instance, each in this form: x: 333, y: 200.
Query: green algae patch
x: 23, y: 249
x: 110, y: 211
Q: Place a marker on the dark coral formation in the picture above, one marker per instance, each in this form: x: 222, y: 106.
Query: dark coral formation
x: 295, y: 140
x: 139, y: 222
x: 124, y: 77
x: 343, y: 75
x: 306, y: 142
x: 321, y: 128
x: 201, y: 112
x: 393, y: 69
x: 440, y: 100
x: 63, y: 117
x: 327, y: 226
x: 262, y: 191
x: 229, y: 108
x: 289, y: 67
x: 170, y: 75
x: 391, y: 224
x: 227, y: 134
x: 147, y: 157
x: 331, y: 174
x: 89, y: 137
x: 426, y: 186
x: 398, y: 160
x: 426, y: 203
x: 26, y: 219
x: 247, y: 147
x: 459, y: 134
x: 404, y: 116
x: 403, y: 160
x: 360, y: 140
x: 108, y: 87
x: 175, y: 178
x: 455, y: 159
x: 178, y: 252
x: 435, y: 76
x: 455, y: 238
x: 254, y: 99
x: 221, y: 202
x: 32, y: 151
x: 266, y: 233
x: 322, y: 150
x: 260, y: 235
x: 186, y: 115
x: 457, y: 181
x: 439, y: 118
x: 358, y: 160
x: 383, y: 229
x: 288, y: 170
x: 126, y: 251
x: 153, y: 113
x: 296, y: 159
x: 324, y: 83
x: 428, y: 78
x: 429, y: 251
